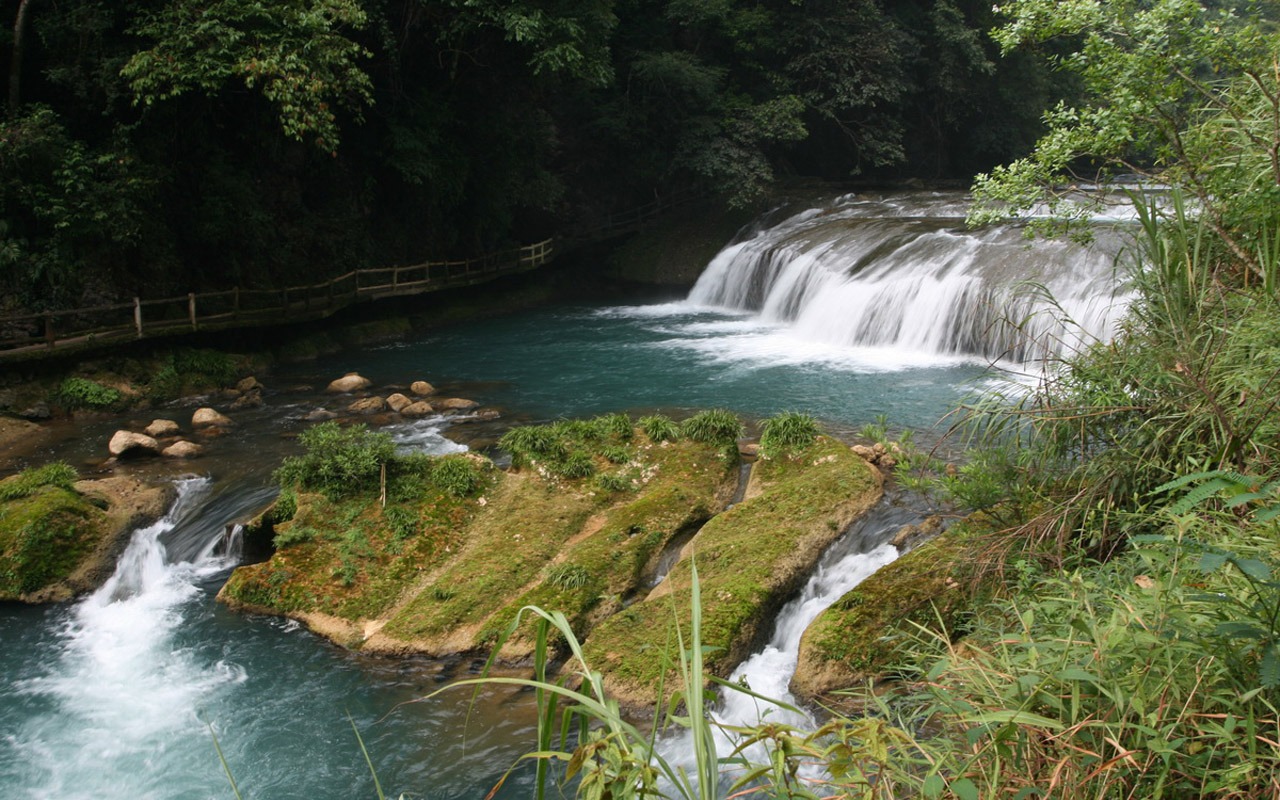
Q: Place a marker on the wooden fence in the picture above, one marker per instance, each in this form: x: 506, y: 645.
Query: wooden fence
x: 32, y: 335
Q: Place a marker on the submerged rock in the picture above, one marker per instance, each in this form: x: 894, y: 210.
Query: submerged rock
x: 320, y: 415
x: 455, y: 404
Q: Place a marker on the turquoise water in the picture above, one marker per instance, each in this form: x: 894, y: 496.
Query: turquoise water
x: 114, y: 697
x: 583, y: 360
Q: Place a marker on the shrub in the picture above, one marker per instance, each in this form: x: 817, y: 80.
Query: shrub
x: 612, y: 482
x: 339, y: 461
x: 84, y: 393
x: 285, y: 507
x: 204, y: 366
x: 659, y: 428
x: 459, y: 475
x: 532, y: 443
x: 787, y: 433
x: 715, y: 426
x: 577, y: 464
x: 27, y: 482
x: 568, y: 576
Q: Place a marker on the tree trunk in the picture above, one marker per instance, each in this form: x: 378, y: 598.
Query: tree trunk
x: 15, y: 64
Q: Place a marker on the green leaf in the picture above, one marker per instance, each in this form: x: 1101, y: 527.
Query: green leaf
x: 964, y: 789
x: 1211, y: 562
x: 933, y: 786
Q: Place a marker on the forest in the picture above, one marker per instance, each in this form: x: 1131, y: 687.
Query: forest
x: 155, y: 148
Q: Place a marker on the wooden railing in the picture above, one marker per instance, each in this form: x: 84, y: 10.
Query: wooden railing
x: 31, y: 335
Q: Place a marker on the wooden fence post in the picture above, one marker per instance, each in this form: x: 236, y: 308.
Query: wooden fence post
x: 48, y: 330
x: 235, y: 303
x: 137, y: 316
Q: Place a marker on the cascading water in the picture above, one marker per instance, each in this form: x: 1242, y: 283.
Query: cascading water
x: 905, y: 274
x: 118, y: 694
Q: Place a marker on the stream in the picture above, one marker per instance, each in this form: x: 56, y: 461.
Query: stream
x: 861, y: 308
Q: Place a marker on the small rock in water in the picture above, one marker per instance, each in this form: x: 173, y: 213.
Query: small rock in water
x: 397, y: 402
x: 320, y: 415
x: 229, y: 394
x: 487, y: 415
x: 248, y: 400
x: 368, y: 405
x: 182, y: 449
x: 418, y: 409
x: 162, y: 427
x: 349, y: 383
x: 37, y: 411
x: 249, y: 384
x: 128, y: 443
x: 455, y: 404
x: 208, y: 416
x: 422, y: 388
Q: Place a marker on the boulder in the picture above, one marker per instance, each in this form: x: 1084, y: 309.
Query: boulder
x: 368, y: 405
x: 128, y: 443
x: 418, y: 409
x: 249, y: 384
x: 351, y: 382
x: 422, y: 388
x: 182, y: 449
x: 162, y: 427
x: 864, y: 452
x: 455, y: 404
x: 207, y: 416
x: 397, y: 402
x: 320, y: 415
x: 229, y: 394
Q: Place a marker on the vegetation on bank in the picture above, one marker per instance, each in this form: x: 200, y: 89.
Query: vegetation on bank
x: 1130, y: 498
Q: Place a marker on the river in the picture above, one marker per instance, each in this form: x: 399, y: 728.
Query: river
x: 859, y: 308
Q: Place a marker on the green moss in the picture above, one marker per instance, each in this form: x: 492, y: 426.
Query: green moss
x: 44, y: 537
x: 749, y: 559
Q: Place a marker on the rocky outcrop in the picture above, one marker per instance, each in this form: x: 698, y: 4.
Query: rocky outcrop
x: 351, y: 382
x: 127, y: 444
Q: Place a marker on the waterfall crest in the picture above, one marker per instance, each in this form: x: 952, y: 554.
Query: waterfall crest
x: 903, y: 272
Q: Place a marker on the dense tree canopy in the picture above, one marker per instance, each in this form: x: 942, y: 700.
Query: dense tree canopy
x: 170, y: 145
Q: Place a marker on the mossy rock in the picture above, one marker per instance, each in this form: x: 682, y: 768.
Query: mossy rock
x: 441, y: 574
x: 750, y: 560
x: 44, y: 538
x: 59, y: 542
x: 934, y: 586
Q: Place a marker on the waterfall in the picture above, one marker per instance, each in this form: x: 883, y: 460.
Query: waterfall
x: 903, y: 273
x: 119, y: 693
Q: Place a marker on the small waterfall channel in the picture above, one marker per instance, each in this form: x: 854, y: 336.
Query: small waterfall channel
x: 853, y: 558
x: 904, y: 273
